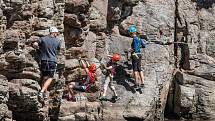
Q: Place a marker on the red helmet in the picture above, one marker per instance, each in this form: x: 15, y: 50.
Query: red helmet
x: 115, y: 57
x: 92, y: 67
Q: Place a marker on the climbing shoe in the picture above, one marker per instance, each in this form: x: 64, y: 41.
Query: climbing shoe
x: 115, y: 98
x: 103, y: 98
x: 142, y: 85
x: 139, y: 90
x: 135, y: 87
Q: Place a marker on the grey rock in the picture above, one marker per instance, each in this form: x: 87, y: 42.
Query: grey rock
x: 22, y: 98
x: 74, y: 53
x: 72, y: 20
x: 67, y: 118
x: 5, y: 114
x: 98, y: 15
x: 90, y: 45
x: 72, y: 64
x: 46, y: 8
x: 80, y: 116
x: 24, y: 75
x: 3, y: 90
x: 70, y: 108
x: 74, y: 37
x: 27, y: 83
x: 114, y: 10
x: 131, y: 2
x: 76, y: 6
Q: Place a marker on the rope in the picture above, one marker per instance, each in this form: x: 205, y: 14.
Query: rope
x: 169, y: 43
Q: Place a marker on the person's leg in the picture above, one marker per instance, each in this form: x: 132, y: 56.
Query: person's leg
x: 136, y: 77
x: 140, y: 70
x: 46, y: 84
x: 70, y: 89
x: 112, y: 87
x: 135, y: 71
x: 142, y: 77
x: 107, y: 81
x: 44, y: 78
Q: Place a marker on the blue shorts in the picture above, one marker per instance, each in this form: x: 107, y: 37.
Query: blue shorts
x: 48, y: 68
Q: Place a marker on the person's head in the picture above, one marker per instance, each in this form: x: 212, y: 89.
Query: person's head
x: 132, y: 31
x: 53, y: 31
x: 92, y: 68
x: 115, y: 58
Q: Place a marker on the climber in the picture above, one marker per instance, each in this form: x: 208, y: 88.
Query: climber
x: 136, y: 57
x: 48, y: 47
x: 111, y: 71
x: 87, y: 85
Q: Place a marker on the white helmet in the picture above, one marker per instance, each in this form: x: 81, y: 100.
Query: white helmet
x: 53, y: 29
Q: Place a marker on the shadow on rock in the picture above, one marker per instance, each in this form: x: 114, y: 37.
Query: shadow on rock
x: 124, y: 79
x: 204, y: 3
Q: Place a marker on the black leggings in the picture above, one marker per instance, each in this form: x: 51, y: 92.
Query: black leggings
x: 136, y: 63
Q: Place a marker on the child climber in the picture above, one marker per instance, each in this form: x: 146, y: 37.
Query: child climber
x: 111, y: 71
x: 136, y: 57
x: 85, y: 85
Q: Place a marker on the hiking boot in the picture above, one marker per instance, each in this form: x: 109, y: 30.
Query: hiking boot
x: 103, y: 98
x: 41, y: 96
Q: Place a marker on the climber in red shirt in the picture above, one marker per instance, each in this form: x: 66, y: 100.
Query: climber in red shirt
x: 86, y: 84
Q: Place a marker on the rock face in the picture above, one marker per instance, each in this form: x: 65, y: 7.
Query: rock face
x: 157, y: 70
x: 5, y: 113
x: 191, y: 91
x: 20, y: 22
x: 179, y: 76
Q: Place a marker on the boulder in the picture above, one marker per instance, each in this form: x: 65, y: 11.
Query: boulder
x: 71, y: 64
x: 27, y: 83
x: 76, y: 6
x: 22, y: 99
x: 98, y: 15
x: 72, y: 20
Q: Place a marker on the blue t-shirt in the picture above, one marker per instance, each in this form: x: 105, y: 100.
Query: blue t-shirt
x: 48, y: 48
x: 136, y: 44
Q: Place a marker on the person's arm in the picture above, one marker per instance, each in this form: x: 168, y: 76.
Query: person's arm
x: 84, y: 65
x: 135, y: 42
x: 59, y: 49
x: 98, y: 78
x: 142, y: 43
x: 36, y: 43
x: 109, y: 67
x: 110, y: 56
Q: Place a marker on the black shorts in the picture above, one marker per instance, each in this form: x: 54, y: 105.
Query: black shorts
x: 48, y: 68
x: 136, y: 63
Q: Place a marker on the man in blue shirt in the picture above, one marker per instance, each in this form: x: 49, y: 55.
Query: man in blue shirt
x: 136, y: 45
x: 48, y: 47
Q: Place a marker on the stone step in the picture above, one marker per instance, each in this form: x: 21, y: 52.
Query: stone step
x: 70, y: 108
